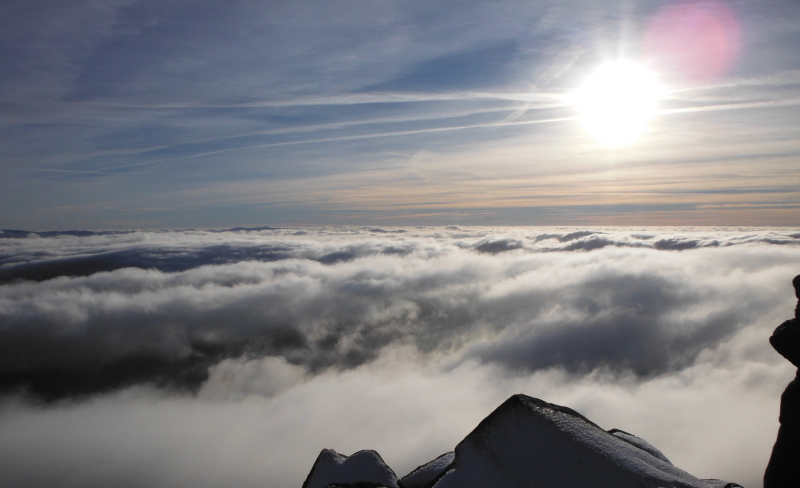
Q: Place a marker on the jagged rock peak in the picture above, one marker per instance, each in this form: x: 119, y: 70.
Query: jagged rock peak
x: 529, y: 443
x: 525, y: 443
x: 364, y: 469
x: 428, y: 474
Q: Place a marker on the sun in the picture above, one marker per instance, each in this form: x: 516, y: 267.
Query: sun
x: 617, y: 101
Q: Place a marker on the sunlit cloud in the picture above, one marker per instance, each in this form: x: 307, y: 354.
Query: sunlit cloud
x: 200, y: 357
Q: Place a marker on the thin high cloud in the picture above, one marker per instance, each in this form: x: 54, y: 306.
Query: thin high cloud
x: 355, y: 137
x: 137, y: 94
x: 546, y: 99
x: 304, y: 129
x: 511, y: 120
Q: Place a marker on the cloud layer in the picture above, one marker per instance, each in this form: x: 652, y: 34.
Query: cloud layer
x: 391, y: 327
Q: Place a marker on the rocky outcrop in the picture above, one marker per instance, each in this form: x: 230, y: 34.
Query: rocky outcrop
x: 783, y: 470
x: 721, y: 484
x: 529, y: 443
x: 364, y: 469
x: 428, y: 474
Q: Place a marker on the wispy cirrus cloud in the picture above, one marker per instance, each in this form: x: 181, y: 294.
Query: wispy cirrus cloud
x: 133, y: 95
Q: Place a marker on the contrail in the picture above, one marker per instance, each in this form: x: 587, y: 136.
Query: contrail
x: 350, y: 99
x: 732, y: 106
x: 310, y: 128
x: 355, y: 137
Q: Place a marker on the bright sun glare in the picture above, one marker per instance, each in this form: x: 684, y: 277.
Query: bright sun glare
x: 617, y: 101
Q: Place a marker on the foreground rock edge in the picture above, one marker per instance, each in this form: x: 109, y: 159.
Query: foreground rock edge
x: 526, y: 443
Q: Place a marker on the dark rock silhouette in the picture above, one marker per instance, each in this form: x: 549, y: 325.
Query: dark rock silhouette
x: 428, y: 474
x: 524, y: 443
x: 364, y: 469
x: 783, y: 470
x: 721, y: 484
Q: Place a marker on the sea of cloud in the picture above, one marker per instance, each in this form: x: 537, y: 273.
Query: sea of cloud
x: 231, y: 358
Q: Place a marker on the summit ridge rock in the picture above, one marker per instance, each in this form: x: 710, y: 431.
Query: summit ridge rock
x: 364, y: 469
x: 530, y: 443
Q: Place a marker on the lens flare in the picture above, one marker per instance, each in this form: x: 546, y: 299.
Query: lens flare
x: 693, y: 41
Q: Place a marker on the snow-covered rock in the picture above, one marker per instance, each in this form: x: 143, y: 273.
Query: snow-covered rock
x: 529, y: 443
x: 640, y: 443
x: 364, y: 469
x: 524, y: 443
x: 721, y: 484
x: 427, y: 474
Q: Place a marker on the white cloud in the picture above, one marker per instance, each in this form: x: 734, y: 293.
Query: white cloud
x: 234, y: 379
x: 402, y: 343
x: 712, y: 421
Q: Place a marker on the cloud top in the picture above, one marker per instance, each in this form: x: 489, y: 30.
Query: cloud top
x: 84, y: 314
x: 276, y: 343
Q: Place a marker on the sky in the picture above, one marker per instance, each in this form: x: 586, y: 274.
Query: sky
x: 232, y: 358
x: 128, y: 114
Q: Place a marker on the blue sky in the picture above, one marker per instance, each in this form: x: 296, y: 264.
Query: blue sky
x: 140, y: 114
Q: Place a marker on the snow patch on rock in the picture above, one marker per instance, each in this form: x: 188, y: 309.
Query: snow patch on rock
x: 721, y: 484
x: 426, y: 475
x: 362, y: 469
x: 640, y: 443
x: 524, y: 443
x: 529, y: 443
